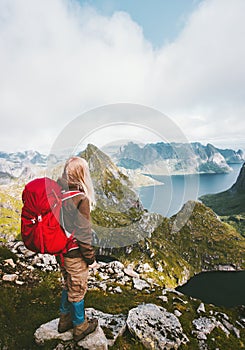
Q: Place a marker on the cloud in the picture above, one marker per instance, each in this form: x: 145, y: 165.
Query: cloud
x: 59, y: 59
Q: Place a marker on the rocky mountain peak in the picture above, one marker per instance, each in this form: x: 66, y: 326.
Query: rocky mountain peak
x: 98, y: 161
x: 119, y: 217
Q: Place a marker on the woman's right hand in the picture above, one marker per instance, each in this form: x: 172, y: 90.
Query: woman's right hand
x: 95, y: 265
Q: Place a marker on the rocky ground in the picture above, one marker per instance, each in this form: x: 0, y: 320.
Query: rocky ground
x: 171, y: 321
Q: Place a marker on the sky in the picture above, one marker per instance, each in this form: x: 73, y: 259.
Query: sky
x: 61, y: 59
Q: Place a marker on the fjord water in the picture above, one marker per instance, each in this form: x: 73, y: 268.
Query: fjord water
x: 167, y: 199
x: 219, y: 288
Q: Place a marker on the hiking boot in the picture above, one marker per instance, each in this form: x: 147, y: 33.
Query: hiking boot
x: 84, y: 329
x: 65, y: 323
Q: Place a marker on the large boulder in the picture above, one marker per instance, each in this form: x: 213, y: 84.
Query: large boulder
x: 155, y: 327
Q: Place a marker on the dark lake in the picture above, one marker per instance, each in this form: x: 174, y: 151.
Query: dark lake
x: 222, y: 288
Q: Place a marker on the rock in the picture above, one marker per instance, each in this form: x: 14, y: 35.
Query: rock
x: 49, y: 331
x: 201, y: 308
x: 103, y: 286
x: 10, y: 262
x: 29, y: 254
x: 118, y: 290
x: 10, y: 277
x: 142, y: 268
x: 19, y: 283
x: 177, y: 313
x: 205, y: 325
x: 103, y: 276
x: 94, y: 341
x: 226, y: 268
x: 155, y: 327
x: 130, y: 272
x: 112, y: 325
x: 231, y: 328
x: 140, y: 284
x: 117, y: 266
x: 163, y: 298
x: 16, y: 245
x: 158, y: 266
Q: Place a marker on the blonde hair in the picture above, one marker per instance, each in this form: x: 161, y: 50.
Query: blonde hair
x: 77, y: 174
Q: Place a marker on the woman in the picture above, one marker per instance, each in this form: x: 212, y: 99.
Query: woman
x: 80, y: 256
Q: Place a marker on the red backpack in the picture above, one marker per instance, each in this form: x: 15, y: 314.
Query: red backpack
x: 40, y: 217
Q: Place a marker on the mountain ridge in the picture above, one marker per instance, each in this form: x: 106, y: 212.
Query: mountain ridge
x: 176, y: 158
x: 152, y: 158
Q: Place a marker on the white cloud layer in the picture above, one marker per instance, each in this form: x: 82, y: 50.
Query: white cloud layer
x: 59, y: 59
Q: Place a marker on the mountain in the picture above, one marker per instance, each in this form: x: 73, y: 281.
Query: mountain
x: 119, y: 217
x: 175, y: 248
x: 239, y: 185
x: 32, y: 157
x: 232, y: 156
x: 176, y: 158
x: 194, y: 240
x: 157, y: 254
x: 20, y: 165
x: 230, y: 202
x: 134, y: 160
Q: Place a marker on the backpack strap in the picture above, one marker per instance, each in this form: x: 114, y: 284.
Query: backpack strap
x: 69, y: 194
x: 65, y: 196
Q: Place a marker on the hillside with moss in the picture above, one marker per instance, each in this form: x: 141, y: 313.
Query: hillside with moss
x: 230, y: 204
x: 10, y: 210
x: 38, y: 299
x: 203, y: 243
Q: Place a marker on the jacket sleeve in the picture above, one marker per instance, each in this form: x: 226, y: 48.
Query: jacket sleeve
x: 83, y: 230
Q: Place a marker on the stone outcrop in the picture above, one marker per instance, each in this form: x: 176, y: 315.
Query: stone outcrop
x: 109, y: 328
x: 106, y: 277
x: 152, y: 325
x: 155, y: 327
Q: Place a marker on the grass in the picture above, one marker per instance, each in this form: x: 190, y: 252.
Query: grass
x: 225, y: 203
x: 23, y: 309
x: 10, y: 209
x: 237, y: 221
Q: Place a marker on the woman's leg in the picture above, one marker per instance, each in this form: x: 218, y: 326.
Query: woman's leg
x: 77, y: 276
x: 65, y: 321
